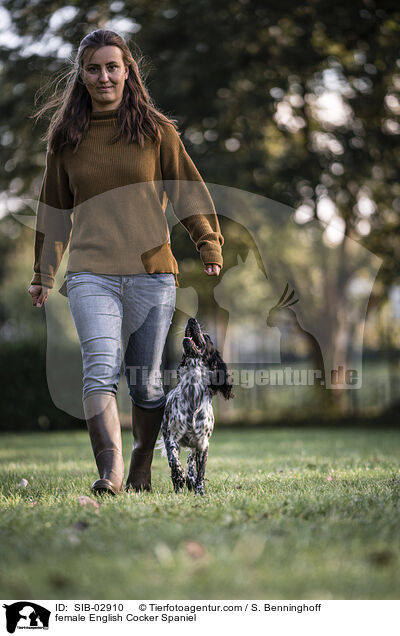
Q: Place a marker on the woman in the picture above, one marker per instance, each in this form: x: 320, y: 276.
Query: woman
x: 114, y: 159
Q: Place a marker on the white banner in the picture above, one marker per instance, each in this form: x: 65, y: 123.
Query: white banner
x: 178, y: 617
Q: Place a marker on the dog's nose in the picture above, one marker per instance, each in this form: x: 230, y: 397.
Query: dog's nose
x: 192, y: 327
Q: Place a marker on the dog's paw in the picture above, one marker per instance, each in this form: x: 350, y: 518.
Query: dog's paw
x: 190, y: 483
x: 179, y: 483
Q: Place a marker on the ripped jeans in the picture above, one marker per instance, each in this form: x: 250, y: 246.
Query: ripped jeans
x: 135, y: 310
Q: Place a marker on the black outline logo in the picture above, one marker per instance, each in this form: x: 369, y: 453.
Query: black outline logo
x: 14, y: 616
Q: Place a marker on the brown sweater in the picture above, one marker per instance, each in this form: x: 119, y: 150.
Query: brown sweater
x: 108, y: 201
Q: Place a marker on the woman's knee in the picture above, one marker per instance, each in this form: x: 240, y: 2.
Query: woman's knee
x: 101, y: 369
x: 97, y: 377
x: 139, y: 400
x: 146, y: 390
x: 99, y: 387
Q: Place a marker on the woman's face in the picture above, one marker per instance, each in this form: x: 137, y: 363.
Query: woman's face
x: 104, y: 76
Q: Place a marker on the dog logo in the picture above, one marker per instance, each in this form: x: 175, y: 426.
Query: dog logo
x: 26, y: 615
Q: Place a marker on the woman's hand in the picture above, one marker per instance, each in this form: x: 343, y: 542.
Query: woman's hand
x: 39, y: 294
x: 212, y: 270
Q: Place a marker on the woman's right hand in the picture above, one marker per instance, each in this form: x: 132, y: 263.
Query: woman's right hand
x: 39, y: 294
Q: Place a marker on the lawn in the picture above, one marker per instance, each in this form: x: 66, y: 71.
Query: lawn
x: 288, y: 514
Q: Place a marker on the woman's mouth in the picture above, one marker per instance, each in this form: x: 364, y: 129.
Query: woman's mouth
x: 105, y: 88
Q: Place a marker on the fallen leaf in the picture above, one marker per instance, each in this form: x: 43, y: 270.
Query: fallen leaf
x: 23, y: 483
x: 194, y: 550
x: 84, y: 500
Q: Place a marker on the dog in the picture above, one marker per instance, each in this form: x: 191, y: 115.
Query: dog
x: 188, y: 419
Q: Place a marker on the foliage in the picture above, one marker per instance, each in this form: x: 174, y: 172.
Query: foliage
x: 296, y: 102
x: 25, y: 398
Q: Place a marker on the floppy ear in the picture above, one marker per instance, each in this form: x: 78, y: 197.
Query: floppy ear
x: 220, y: 379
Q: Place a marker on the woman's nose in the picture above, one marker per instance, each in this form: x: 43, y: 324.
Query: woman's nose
x: 103, y: 75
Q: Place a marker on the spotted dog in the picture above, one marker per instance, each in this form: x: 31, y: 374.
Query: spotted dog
x: 188, y: 416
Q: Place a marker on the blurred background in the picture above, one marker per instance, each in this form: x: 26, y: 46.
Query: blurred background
x: 295, y: 103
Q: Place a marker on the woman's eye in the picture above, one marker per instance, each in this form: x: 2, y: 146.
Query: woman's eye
x: 92, y: 69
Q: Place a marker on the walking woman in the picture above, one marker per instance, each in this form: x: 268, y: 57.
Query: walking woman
x: 113, y: 161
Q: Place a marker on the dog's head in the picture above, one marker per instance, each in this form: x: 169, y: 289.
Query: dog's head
x: 199, y: 346
x: 194, y: 342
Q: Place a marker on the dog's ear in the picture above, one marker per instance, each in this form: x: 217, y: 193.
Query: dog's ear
x: 209, y: 350
x: 220, y: 379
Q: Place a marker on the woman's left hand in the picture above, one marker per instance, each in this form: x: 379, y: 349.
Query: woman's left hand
x: 212, y: 270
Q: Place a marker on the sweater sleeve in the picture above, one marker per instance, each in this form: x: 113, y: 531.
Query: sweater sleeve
x: 53, y: 222
x: 190, y: 197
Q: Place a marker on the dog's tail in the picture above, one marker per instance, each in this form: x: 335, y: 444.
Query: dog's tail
x: 161, y: 446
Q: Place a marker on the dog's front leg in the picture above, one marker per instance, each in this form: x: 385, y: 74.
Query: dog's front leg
x: 177, y: 472
x: 191, y: 471
x: 201, y: 461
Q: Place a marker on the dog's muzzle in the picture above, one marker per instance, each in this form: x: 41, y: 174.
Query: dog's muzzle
x: 193, y: 342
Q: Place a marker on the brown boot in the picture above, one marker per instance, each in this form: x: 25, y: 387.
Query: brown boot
x: 101, y: 413
x: 146, y: 424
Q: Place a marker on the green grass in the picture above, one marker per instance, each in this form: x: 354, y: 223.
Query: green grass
x: 271, y: 525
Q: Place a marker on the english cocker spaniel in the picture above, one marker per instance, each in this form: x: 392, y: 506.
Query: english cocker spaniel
x: 188, y: 416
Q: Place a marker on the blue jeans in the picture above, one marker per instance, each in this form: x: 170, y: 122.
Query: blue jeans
x: 136, y: 309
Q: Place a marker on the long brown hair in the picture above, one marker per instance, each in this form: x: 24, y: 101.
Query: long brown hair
x: 137, y: 116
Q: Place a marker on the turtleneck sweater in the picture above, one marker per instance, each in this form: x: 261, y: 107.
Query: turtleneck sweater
x: 107, y: 202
